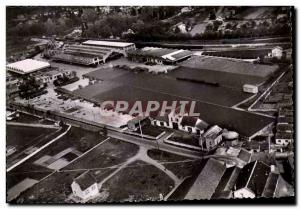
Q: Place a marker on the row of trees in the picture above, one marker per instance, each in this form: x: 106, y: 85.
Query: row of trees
x: 145, y: 23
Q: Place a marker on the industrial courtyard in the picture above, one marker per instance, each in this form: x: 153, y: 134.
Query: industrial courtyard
x: 61, y: 148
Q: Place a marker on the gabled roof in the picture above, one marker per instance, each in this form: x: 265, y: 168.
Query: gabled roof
x: 189, y: 121
x: 202, y: 125
x: 271, y: 185
x: 253, y: 176
x: 85, y: 180
x: 207, y: 181
x: 107, y: 43
x: 228, y: 180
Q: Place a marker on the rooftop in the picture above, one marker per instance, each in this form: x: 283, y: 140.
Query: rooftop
x: 27, y: 66
x: 253, y: 176
x: 207, y: 181
x: 85, y: 180
x: 107, y: 43
x: 164, y: 53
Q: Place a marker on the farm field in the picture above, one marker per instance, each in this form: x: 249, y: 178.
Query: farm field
x: 239, y: 54
x: 225, y: 79
x: 212, y: 113
x: 140, y: 87
x: 230, y: 66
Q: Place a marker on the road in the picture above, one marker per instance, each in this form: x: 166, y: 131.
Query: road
x: 32, y: 125
x: 153, y: 144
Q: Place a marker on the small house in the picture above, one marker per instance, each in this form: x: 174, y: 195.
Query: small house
x: 277, y: 52
x: 136, y: 122
x: 252, y: 180
x: 211, y: 138
x: 85, y: 186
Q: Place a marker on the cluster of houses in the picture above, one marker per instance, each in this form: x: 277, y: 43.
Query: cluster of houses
x: 216, y: 180
x: 255, y: 179
x: 209, y: 136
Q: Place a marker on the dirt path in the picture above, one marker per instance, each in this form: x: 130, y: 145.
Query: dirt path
x: 142, y: 155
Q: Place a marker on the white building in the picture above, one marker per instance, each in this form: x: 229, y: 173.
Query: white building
x: 27, y: 66
x: 277, y: 52
x: 85, y: 186
x: 250, y: 88
x: 120, y: 47
x: 52, y: 75
x: 181, y: 121
x: 211, y: 138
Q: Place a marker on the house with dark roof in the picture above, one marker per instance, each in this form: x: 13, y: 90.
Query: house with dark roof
x: 85, y: 186
x: 226, y: 184
x: 137, y: 122
x: 284, y: 138
x: 179, y: 119
x: 252, y: 180
x: 193, y: 125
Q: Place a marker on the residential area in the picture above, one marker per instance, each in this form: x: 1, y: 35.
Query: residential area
x: 138, y: 103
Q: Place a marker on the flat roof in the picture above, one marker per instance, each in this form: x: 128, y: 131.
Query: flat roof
x: 108, y: 43
x: 27, y: 66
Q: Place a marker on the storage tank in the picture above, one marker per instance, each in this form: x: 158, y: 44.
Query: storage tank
x: 230, y: 138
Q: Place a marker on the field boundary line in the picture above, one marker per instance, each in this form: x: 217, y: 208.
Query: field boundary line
x: 38, y: 150
x: 94, y: 147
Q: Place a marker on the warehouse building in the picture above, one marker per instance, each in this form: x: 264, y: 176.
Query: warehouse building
x: 92, y: 52
x: 155, y: 55
x: 120, y: 47
x: 27, y: 66
x: 83, y: 55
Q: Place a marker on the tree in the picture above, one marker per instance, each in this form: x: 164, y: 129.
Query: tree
x: 89, y: 15
x: 50, y: 27
x: 177, y: 30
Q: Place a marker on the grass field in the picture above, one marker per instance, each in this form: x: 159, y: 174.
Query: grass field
x: 22, y: 136
x: 230, y: 66
x: 182, y: 169
x: 243, y: 122
x: 140, y: 182
x: 225, y: 79
x: 141, y: 87
x: 240, y: 54
x: 111, y: 152
x: 78, y: 138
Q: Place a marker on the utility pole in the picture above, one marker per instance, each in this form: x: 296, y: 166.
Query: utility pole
x: 141, y: 129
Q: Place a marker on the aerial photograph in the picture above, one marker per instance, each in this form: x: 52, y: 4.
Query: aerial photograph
x: 149, y: 104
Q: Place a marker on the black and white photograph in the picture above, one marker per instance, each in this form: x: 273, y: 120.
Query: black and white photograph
x: 149, y: 104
